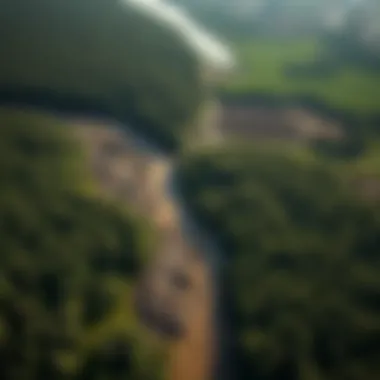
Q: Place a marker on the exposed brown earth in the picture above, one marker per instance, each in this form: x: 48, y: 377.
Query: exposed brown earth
x: 276, y: 123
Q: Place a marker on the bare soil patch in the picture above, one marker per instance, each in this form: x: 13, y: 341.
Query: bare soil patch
x: 259, y: 122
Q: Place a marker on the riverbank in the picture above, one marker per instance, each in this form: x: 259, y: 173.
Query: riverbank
x: 130, y: 169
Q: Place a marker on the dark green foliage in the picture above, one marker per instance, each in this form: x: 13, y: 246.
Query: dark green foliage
x: 349, y: 147
x: 354, y: 43
x: 303, y: 263
x: 66, y: 259
x: 113, y: 362
x: 97, y: 55
x: 359, y: 134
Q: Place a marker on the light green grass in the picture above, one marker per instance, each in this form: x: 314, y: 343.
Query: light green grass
x: 262, y: 70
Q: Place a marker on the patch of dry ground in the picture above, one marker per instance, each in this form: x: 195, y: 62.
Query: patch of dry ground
x: 288, y: 123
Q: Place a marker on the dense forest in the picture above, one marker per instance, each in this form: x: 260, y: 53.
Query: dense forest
x: 99, y: 55
x: 302, y: 280
x: 302, y: 272
x: 69, y: 260
x: 301, y: 245
x: 69, y: 257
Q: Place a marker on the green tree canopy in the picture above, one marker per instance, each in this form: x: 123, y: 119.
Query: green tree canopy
x: 68, y: 260
x: 303, y: 263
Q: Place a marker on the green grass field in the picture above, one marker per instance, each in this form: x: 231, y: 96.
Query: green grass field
x: 262, y: 70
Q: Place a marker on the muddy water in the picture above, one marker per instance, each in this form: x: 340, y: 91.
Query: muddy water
x: 133, y: 170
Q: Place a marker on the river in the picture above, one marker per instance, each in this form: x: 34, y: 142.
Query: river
x: 143, y: 176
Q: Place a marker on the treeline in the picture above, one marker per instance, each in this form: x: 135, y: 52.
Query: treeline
x: 303, y: 263
x: 68, y: 260
x: 358, y: 41
x: 99, y: 54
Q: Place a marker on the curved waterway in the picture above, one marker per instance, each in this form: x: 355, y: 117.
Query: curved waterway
x: 149, y: 182
x: 186, y: 248
x: 206, y: 246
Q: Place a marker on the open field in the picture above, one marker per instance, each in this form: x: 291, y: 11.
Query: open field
x: 263, y: 66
